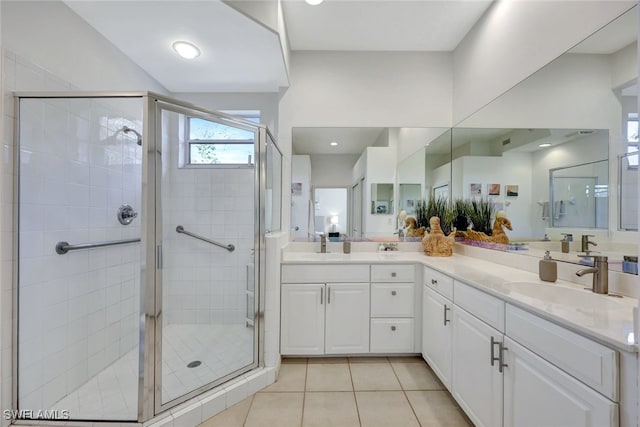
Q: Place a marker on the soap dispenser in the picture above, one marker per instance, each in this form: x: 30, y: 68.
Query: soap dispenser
x: 548, y: 268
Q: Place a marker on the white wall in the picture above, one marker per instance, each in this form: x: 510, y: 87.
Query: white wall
x: 410, y: 140
x: 624, y: 65
x: 516, y: 38
x: 332, y: 170
x: 510, y: 169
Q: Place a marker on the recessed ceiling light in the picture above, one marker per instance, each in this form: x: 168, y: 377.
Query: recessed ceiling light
x: 314, y: 2
x: 546, y: 144
x: 186, y: 50
x: 333, y: 143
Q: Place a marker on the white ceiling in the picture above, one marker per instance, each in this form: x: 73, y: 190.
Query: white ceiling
x: 240, y: 55
x: 381, y: 25
x: 237, y: 54
x: 316, y: 140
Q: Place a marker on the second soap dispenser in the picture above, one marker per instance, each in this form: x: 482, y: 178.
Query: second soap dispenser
x: 548, y: 268
x: 565, y: 242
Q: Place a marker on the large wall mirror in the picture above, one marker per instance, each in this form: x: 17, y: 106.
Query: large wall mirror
x: 567, y: 137
x: 385, y: 170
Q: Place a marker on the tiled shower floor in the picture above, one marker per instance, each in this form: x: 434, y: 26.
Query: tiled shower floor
x: 113, y: 394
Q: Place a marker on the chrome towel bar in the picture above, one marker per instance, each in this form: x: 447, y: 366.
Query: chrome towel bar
x: 64, y: 247
x: 180, y: 229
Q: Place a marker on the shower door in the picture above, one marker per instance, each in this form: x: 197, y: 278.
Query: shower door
x: 206, y: 236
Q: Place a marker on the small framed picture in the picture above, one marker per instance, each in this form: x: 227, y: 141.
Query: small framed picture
x: 511, y: 190
x: 296, y: 188
x: 475, y: 189
x: 494, y: 189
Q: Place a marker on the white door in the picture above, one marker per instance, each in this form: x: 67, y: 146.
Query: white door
x: 436, y: 334
x: 347, y: 318
x: 537, y: 393
x: 302, y: 318
x: 476, y: 384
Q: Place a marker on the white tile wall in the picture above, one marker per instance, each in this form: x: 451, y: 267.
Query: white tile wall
x: 78, y: 313
x: 205, y: 284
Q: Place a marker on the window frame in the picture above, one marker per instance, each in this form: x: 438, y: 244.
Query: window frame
x: 190, y: 142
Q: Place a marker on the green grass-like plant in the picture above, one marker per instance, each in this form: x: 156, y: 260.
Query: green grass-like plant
x: 480, y: 213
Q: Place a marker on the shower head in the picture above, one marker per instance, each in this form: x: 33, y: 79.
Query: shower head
x: 127, y: 129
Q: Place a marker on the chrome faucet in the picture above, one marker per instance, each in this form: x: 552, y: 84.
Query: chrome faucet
x: 600, y: 270
x: 586, y: 242
x: 323, y: 243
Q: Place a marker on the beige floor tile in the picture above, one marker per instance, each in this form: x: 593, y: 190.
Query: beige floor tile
x: 326, y: 360
x: 406, y: 359
x: 373, y: 376
x: 327, y: 409
x: 384, y: 409
x: 329, y: 377
x: 275, y: 409
x: 416, y: 376
x: 231, y: 417
x: 288, y: 360
x: 290, y: 378
x: 437, y: 409
x: 366, y: 359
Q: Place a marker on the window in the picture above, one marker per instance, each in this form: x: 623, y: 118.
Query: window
x: 632, y: 128
x: 213, y: 143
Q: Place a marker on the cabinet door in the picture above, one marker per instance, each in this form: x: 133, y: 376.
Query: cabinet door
x: 537, y: 394
x: 347, y: 322
x: 476, y: 384
x: 302, y: 318
x: 436, y: 334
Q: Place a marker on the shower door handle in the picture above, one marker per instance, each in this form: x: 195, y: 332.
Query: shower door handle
x: 159, y: 256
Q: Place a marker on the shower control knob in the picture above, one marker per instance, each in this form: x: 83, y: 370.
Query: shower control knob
x: 126, y: 214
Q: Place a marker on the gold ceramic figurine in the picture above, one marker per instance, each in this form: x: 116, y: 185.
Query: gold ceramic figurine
x: 436, y: 243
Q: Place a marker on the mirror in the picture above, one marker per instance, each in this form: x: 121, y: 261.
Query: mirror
x: 381, y: 199
x: 585, y: 105
x: 382, y: 168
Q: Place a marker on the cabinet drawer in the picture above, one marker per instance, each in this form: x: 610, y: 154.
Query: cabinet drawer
x: 439, y: 282
x: 324, y: 273
x: 392, y: 299
x: 393, y: 273
x: 586, y: 360
x: 392, y: 335
x: 484, y: 306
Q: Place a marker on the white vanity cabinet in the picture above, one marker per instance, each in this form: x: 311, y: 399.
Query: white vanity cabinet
x: 572, y: 380
x: 392, y: 308
x: 329, y: 314
x: 477, y: 355
x: 437, y: 329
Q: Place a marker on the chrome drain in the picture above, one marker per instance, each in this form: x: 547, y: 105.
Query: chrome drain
x: 194, y: 364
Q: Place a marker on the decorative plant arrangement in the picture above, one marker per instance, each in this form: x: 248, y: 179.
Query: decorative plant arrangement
x: 480, y: 213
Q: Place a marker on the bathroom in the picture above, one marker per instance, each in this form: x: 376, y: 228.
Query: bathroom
x: 330, y: 87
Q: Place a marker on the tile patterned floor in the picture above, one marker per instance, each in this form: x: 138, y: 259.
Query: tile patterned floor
x: 348, y: 392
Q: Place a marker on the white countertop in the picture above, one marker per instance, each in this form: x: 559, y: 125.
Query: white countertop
x: 604, y: 318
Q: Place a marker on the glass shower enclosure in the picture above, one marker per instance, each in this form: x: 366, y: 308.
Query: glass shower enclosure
x: 141, y: 224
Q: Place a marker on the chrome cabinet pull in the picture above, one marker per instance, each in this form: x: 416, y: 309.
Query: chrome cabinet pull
x: 393, y: 274
x: 501, y: 364
x: 329, y: 295
x: 393, y: 328
x: 393, y: 293
x: 445, y: 315
x: 434, y: 282
x: 321, y: 295
x: 493, y: 355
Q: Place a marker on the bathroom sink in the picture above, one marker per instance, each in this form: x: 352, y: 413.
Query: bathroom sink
x: 574, y: 297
